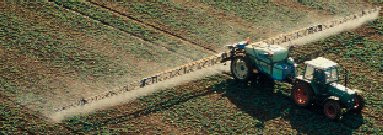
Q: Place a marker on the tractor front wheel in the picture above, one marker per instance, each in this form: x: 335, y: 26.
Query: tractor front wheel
x: 332, y: 110
x: 302, y: 95
x: 359, y: 103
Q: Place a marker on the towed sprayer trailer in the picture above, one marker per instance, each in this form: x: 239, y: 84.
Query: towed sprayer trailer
x: 316, y: 85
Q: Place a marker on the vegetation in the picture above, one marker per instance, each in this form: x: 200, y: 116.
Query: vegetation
x: 334, y: 8
x: 213, y: 24
x: 136, y: 29
x: 58, y: 45
x: 214, y: 105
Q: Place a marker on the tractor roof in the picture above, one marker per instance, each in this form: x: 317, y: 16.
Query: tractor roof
x: 321, y: 63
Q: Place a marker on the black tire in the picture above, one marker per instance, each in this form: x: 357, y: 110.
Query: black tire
x: 332, y: 110
x: 359, y: 102
x: 246, y: 69
x: 302, y: 98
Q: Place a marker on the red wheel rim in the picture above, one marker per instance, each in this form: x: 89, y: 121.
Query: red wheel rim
x: 330, y: 110
x: 300, y: 95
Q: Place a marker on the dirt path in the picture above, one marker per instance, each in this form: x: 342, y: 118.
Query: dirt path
x: 332, y: 30
x: 132, y: 95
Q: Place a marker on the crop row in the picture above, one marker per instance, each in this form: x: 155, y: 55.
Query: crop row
x: 334, y: 8
x: 353, y: 48
x: 136, y: 29
x: 210, y: 24
x: 259, y: 13
x: 33, y: 41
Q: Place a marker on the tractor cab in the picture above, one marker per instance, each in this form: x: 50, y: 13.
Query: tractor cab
x: 320, y: 72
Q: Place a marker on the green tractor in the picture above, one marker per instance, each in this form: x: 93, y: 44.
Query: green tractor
x: 318, y: 85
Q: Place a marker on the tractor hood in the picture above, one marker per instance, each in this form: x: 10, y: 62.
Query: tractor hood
x: 346, y: 95
x: 343, y: 88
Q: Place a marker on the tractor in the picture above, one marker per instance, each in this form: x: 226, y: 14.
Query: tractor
x: 317, y: 85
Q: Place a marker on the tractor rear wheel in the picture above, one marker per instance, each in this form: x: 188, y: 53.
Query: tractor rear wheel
x: 359, y: 103
x: 241, y: 68
x: 302, y: 95
x: 332, y: 110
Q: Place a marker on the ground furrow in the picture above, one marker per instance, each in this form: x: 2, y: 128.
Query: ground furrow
x: 124, y: 31
x: 165, y: 32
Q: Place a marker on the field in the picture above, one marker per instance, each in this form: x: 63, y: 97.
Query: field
x: 48, y: 51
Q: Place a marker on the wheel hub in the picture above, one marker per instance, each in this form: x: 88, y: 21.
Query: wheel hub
x: 330, y: 110
x: 300, y: 95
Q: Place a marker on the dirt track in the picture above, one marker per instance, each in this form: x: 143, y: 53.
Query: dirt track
x: 132, y: 95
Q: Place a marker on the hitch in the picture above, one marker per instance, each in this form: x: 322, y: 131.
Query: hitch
x: 224, y: 60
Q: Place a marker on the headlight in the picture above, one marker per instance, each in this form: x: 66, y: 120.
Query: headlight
x: 357, y: 91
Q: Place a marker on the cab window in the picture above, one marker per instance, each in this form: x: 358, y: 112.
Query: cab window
x: 331, y: 75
